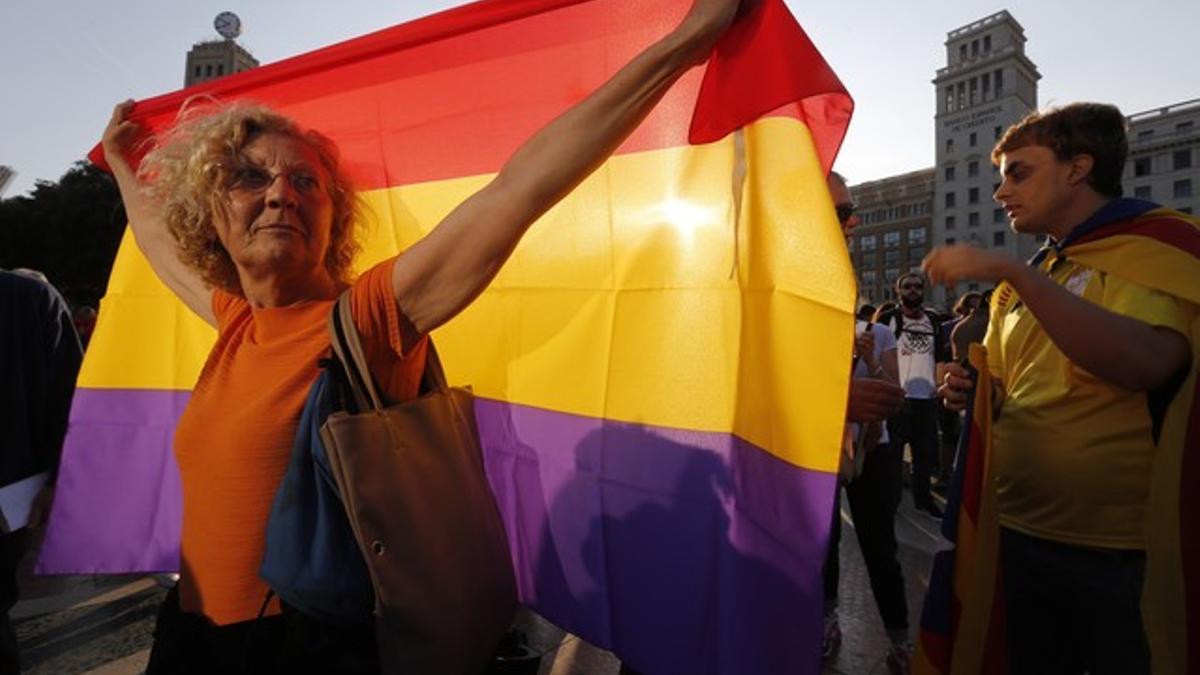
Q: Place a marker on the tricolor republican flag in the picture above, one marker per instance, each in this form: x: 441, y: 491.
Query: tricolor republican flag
x: 661, y: 367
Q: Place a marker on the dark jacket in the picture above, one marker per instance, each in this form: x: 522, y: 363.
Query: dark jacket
x: 39, y: 360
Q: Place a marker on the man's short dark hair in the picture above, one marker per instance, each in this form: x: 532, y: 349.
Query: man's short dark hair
x: 960, y: 306
x: 1095, y: 129
x: 909, y: 275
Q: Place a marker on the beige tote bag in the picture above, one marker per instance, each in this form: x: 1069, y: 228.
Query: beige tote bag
x: 412, y: 480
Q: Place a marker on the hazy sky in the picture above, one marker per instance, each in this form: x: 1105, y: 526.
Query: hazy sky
x: 66, y: 62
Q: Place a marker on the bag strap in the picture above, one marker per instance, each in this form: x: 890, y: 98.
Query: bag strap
x: 347, y: 346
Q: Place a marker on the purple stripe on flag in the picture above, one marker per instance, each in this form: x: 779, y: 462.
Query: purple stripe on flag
x: 682, y: 551
x: 118, y: 503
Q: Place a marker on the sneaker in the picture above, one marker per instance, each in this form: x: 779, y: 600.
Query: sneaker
x: 898, y: 657
x: 831, y: 638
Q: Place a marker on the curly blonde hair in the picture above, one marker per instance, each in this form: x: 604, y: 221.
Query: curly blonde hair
x: 189, y: 170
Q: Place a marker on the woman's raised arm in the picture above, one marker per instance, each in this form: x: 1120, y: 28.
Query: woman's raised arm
x: 145, y: 219
x: 441, y: 274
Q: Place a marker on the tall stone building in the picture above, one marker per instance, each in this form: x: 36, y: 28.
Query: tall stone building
x: 987, y: 85
x: 893, y: 237
x: 216, y: 58
x: 1164, y: 156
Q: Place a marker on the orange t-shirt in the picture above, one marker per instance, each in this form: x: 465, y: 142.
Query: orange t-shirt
x: 235, y: 438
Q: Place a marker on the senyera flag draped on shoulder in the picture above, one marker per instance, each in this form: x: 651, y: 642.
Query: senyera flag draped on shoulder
x: 661, y: 368
x: 1159, y: 248
x: 962, y: 620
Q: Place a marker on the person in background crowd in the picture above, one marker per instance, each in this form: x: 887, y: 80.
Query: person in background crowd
x: 919, y: 349
x: 41, y: 356
x: 948, y: 423
x: 971, y: 329
x: 1089, y: 347
x: 873, y: 493
x: 866, y: 312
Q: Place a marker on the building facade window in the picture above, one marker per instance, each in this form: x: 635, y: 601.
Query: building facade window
x: 1182, y: 188
x: 950, y: 241
x: 973, y: 139
x: 916, y: 254
x: 890, y: 275
x: 973, y: 219
x: 868, y: 278
x: 950, y: 222
x: 1184, y: 127
x: 973, y: 168
x: 986, y: 85
x: 998, y: 80
x: 996, y: 131
x: 949, y: 145
x: 891, y: 239
x: 916, y: 236
x: 1143, y: 192
x: 867, y: 242
x: 974, y: 89
x: 949, y: 173
x: 1145, y: 134
x: 973, y: 195
x: 1182, y: 159
x: 950, y: 200
x: 987, y: 43
x: 891, y: 258
x: 1142, y: 166
x: 998, y: 238
x: 997, y: 215
x: 949, y: 99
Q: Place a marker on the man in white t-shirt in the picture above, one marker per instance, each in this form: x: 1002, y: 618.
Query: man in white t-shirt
x: 919, y: 348
x: 874, y: 492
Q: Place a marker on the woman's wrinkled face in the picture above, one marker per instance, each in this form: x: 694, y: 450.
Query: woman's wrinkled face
x: 278, y: 209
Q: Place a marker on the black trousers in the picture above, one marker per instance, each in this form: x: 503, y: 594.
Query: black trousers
x: 917, y: 425
x: 872, y: 499
x: 1072, y: 610
x: 12, y: 549
x: 189, y: 644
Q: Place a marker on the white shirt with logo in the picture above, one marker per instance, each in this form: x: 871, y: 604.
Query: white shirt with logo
x: 915, y: 356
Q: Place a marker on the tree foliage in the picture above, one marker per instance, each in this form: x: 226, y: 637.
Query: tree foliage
x: 68, y: 230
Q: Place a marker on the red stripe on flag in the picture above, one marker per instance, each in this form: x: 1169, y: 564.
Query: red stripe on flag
x: 454, y: 94
x: 1171, y: 231
x: 746, y: 79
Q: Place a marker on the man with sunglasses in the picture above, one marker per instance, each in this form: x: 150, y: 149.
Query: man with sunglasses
x: 919, y: 348
x: 874, y: 491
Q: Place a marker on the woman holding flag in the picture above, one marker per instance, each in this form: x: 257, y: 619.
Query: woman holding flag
x: 250, y: 220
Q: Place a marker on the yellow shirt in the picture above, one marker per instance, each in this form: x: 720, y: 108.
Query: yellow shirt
x: 1073, y: 453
